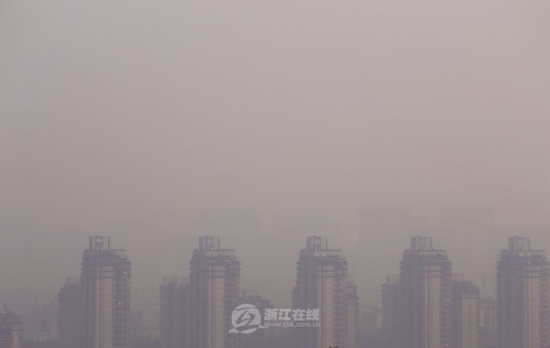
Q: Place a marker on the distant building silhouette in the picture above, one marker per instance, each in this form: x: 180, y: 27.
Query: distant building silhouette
x: 370, y: 327
x: 261, y: 337
x: 105, y: 281
x: 487, y: 322
x: 322, y: 283
x: 425, y: 282
x: 522, y: 296
x: 465, y: 313
x: 370, y: 319
x: 174, y: 295
x: 11, y: 328
x: 391, y: 312
x: 352, y: 316
x: 70, y: 314
x: 214, y: 285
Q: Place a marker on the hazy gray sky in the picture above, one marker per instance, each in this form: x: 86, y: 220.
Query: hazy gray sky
x: 266, y: 121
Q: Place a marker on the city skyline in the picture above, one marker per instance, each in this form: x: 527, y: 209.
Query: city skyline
x: 209, y: 141
x: 458, y: 316
x: 480, y: 269
x: 360, y: 122
x: 492, y: 291
x: 489, y: 289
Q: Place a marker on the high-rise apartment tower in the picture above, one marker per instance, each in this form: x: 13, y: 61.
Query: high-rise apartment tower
x: 425, y: 282
x: 214, y: 286
x: 522, y: 296
x: 105, y: 281
x: 465, y: 310
x: 322, y: 283
x: 70, y: 314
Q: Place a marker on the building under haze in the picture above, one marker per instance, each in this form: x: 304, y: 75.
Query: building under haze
x: 370, y: 319
x: 105, y: 282
x: 487, y: 322
x: 70, y: 311
x: 322, y: 283
x: 11, y: 328
x: 370, y: 327
x: 214, y: 286
x: 352, y: 312
x: 259, y: 338
x: 425, y: 301
x: 174, y: 312
x: 465, y: 313
x: 522, y: 296
x: 391, y: 312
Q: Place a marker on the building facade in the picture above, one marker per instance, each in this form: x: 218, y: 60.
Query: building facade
x: 214, y: 286
x: 425, y: 296
x: 105, y: 282
x: 522, y: 296
x: 370, y: 319
x: 488, y: 322
x: 465, y: 313
x: 11, y: 328
x: 70, y: 312
x: 322, y: 283
x: 391, y: 312
x: 352, y: 312
x: 174, y: 312
x: 262, y: 337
